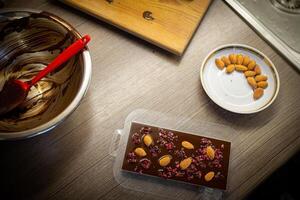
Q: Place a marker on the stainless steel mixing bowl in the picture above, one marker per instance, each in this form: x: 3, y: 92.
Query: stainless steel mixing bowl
x: 29, y: 40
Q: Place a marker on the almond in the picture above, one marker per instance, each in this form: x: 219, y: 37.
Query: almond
x: 246, y: 60
x: 257, y: 69
x: 251, y: 65
x: 187, y: 145
x: 210, y: 152
x: 233, y: 58
x: 220, y: 64
x: 184, y: 164
x: 148, y: 140
x: 249, y: 73
x: 165, y: 160
x: 241, y: 68
x: 240, y: 59
x: 258, y: 93
x: 261, y: 78
x: 262, y: 84
x: 252, y: 82
x: 226, y: 60
x: 230, y: 68
x: 209, y: 176
x: 140, y: 152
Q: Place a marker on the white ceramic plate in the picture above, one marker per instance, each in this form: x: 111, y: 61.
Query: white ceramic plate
x: 231, y: 91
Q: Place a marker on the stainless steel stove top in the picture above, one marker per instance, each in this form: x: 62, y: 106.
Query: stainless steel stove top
x: 278, y: 21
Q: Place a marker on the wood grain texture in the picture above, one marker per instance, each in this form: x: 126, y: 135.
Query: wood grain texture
x: 172, y: 27
x: 72, y: 161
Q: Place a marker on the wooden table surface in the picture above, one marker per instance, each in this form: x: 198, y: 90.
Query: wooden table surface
x: 72, y: 161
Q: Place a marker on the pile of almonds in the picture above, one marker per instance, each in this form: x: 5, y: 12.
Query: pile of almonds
x: 252, y: 72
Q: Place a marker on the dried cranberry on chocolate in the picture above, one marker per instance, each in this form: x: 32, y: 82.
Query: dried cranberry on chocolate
x: 202, y: 165
x: 193, y: 167
x: 201, y: 151
x: 201, y: 158
x: 167, y: 172
x: 198, y: 174
x: 218, y: 154
x: 180, y: 173
x: 145, y: 130
x: 161, y: 141
x: 205, y: 142
x: 168, y: 135
x: 189, y: 174
x: 216, y: 164
x: 145, y: 163
x: 169, y: 175
x: 169, y: 169
x: 162, y: 133
x: 170, y: 146
x: 163, y: 174
x: 154, y: 150
x: 177, y: 165
x: 180, y: 153
x: 171, y: 136
x: 166, y: 139
x: 136, y: 138
x: 200, y: 161
x: 131, y: 157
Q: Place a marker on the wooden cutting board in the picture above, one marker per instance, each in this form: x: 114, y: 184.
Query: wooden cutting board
x: 169, y: 24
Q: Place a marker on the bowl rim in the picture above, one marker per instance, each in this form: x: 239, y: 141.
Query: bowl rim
x: 272, y: 66
x: 84, y: 85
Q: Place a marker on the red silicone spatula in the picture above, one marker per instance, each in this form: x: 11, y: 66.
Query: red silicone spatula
x: 14, y: 92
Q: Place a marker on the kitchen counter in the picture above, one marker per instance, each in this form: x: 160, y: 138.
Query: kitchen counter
x: 72, y: 161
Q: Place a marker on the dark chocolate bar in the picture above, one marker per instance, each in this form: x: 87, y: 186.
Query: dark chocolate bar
x: 176, y: 155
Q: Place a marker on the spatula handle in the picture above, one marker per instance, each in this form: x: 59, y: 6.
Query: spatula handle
x: 69, y: 52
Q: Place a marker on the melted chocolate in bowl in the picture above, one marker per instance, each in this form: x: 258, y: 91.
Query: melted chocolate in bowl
x: 28, y: 42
